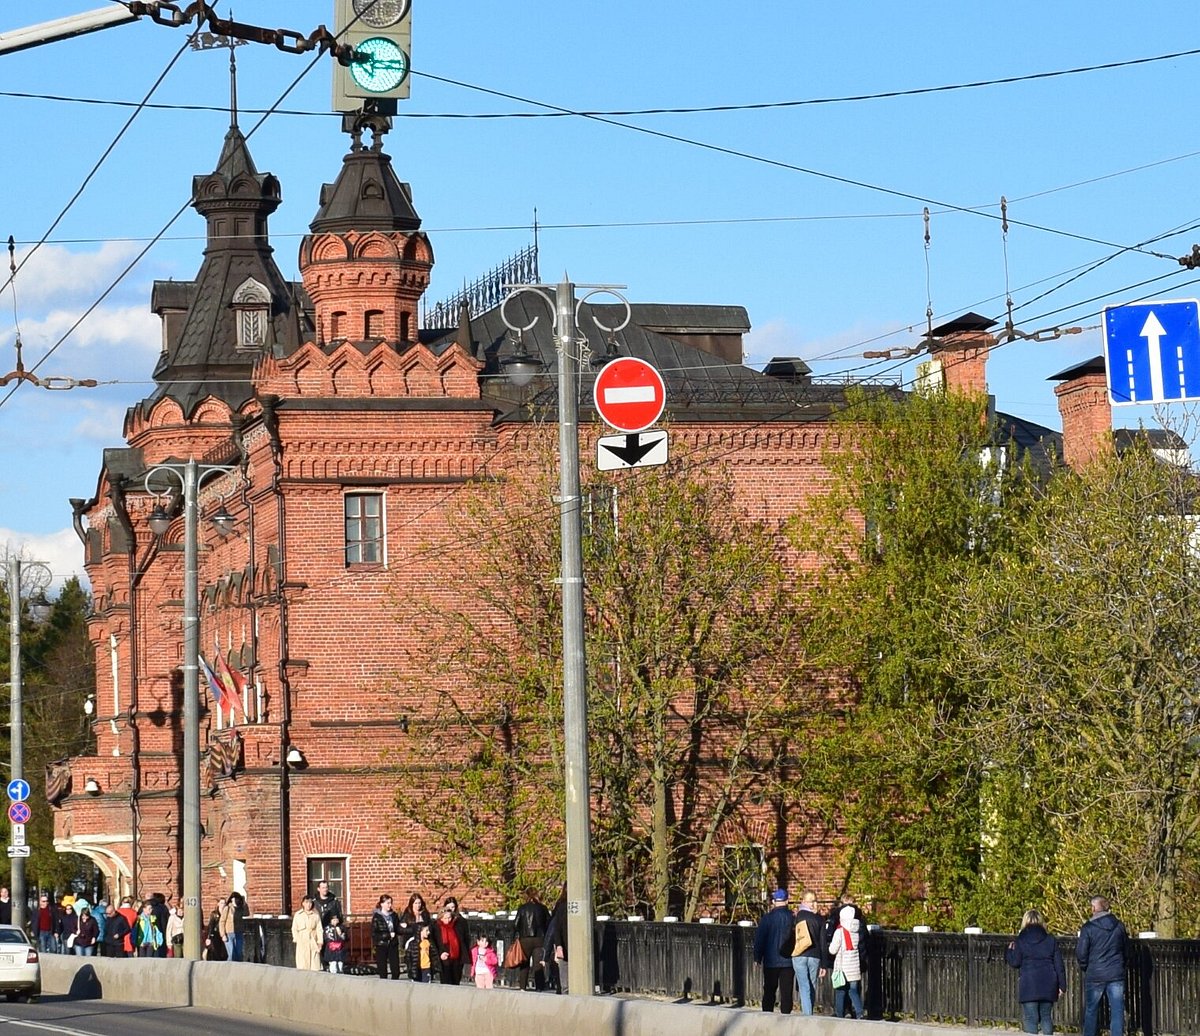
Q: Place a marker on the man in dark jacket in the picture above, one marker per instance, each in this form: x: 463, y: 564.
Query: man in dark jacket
x: 773, y: 944
x: 116, y: 929
x: 1101, y: 954
x: 529, y: 926
x: 327, y: 904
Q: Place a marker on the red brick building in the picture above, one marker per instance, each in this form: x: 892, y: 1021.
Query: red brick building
x: 349, y: 426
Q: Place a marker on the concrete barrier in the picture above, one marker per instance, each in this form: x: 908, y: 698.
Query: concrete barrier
x: 370, y: 1006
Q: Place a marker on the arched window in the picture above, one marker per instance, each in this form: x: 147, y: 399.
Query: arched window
x: 252, y: 302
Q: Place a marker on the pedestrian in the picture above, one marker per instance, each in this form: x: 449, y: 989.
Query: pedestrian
x: 1041, y: 976
x: 555, y: 951
x: 327, y: 903
x: 385, y: 937
x: 5, y: 906
x: 773, y: 942
x: 116, y: 932
x: 175, y: 931
x: 161, y: 914
x: 147, y: 938
x: 100, y: 916
x: 831, y: 925
x: 333, y: 950
x: 845, y: 963
x: 485, y: 965
x: 127, y: 911
x: 214, y: 942
x: 807, y: 951
x: 415, y: 917
x: 68, y: 927
x: 45, y: 921
x: 307, y: 934
x: 529, y: 928
x: 420, y: 952
x: 456, y: 948
x: 453, y: 954
x: 87, y: 933
x: 233, y: 919
x: 1101, y: 954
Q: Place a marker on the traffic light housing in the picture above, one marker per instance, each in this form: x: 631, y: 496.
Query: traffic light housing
x: 381, y: 30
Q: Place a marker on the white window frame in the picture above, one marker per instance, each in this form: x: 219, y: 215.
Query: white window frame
x: 363, y: 494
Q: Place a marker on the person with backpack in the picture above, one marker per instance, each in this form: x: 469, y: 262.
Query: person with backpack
x: 807, y: 950
x: 773, y: 943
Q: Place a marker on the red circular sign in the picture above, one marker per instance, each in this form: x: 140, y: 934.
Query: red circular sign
x: 629, y: 394
x: 19, y: 813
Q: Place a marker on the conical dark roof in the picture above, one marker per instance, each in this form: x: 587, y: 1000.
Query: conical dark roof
x: 367, y: 195
x: 203, y: 356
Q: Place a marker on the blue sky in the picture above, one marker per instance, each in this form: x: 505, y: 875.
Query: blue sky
x: 735, y: 212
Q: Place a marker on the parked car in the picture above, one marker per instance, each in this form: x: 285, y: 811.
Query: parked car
x: 20, y: 970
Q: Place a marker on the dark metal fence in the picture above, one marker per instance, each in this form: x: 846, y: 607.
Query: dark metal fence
x: 922, y: 976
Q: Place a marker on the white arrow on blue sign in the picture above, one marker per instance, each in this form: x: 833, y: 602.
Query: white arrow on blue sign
x: 18, y: 790
x: 1152, y: 352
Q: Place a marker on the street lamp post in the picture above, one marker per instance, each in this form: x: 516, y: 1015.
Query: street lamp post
x: 16, y: 744
x: 581, y: 968
x: 190, y: 478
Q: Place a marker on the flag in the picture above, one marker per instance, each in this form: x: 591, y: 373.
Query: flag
x: 234, y: 686
x: 218, y: 692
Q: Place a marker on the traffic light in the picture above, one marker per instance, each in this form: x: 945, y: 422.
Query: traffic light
x: 381, y: 30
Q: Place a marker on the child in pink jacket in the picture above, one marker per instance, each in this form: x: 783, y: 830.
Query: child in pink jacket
x: 485, y: 965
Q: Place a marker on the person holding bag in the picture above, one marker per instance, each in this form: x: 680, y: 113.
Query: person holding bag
x: 844, y: 963
x: 808, y: 950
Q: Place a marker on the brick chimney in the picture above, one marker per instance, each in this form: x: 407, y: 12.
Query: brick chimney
x: 961, y: 347
x: 1086, y: 412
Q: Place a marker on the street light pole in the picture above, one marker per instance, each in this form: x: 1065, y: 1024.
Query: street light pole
x: 581, y: 968
x: 16, y: 743
x: 190, y: 478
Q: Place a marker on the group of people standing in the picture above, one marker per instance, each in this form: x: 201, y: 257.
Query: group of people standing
x: 146, y: 927
x: 800, y: 949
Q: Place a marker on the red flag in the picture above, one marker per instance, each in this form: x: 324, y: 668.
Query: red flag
x: 234, y: 686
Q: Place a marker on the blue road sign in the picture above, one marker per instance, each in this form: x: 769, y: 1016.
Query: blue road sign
x: 18, y: 790
x: 1152, y: 351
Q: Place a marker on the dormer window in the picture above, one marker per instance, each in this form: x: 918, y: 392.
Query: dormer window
x: 251, y: 303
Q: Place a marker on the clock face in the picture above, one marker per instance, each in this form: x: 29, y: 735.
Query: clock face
x: 379, y: 14
x: 386, y: 66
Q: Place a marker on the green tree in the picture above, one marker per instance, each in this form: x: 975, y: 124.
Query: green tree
x: 57, y: 676
x: 690, y: 641
x: 1082, y: 643
x: 920, y: 495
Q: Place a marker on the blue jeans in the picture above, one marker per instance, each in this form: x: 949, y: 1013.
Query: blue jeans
x: 854, y: 988
x: 85, y: 951
x: 1115, y: 991
x: 1037, y: 1013
x: 806, y: 969
x: 233, y: 945
x: 47, y: 943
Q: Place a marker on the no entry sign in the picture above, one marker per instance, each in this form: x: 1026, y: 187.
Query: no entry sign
x: 629, y: 394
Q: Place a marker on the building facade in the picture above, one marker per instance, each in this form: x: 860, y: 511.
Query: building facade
x: 334, y: 429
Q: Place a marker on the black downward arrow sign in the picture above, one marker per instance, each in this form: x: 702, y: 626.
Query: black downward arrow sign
x: 633, y: 450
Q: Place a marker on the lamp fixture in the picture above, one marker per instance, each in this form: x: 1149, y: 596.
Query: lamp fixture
x: 295, y: 757
x: 223, y: 521
x: 91, y: 786
x: 89, y: 704
x: 520, y: 368
x: 40, y: 607
x: 159, y: 521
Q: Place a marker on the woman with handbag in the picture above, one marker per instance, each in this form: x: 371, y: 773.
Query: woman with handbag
x: 529, y: 935
x: 845, y: 964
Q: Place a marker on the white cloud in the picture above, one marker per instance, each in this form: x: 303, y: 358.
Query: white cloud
x: 113, y: 342
x: 60, y: 551
x: 55, y: 274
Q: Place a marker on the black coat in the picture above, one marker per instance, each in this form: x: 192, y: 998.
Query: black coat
x: 1101, y: 950
x: 327, y: 908
x: 816, y: 932
x: 1036, y: 955
x: 115, y: 930
x: 380, y: 936
x: 531, y: 921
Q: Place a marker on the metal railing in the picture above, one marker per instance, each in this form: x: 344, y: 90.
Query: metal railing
x: 921, y: 976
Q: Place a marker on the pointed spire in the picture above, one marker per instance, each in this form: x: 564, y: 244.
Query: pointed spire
x: 233, y: 107
x: 464, y: 339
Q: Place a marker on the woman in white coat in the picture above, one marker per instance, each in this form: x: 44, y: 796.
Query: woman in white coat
x: 843, y: 949
x: 307, y: 935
